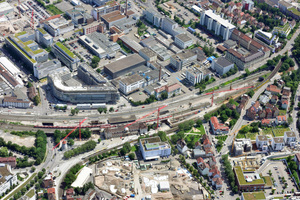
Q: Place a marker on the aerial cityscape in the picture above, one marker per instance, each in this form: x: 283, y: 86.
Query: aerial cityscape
x: 149, y: 99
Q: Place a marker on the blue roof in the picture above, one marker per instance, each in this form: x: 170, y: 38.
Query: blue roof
x: 191, y: 29
x: 211, y: 58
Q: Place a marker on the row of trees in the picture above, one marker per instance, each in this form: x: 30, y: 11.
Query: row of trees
x: 88, y: 146
x: 224, y: 112
x: 71, y: 175
x: 229, y: 173
x: 292, y: 165
x: 287, y: 62
x: 58, y: 135
x: 296, y: 49
x: 149, y: 100
x: 95, y: 61
x: 232, y: 71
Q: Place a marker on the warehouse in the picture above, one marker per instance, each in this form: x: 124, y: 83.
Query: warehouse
x: 123, y: 66
x: 111, y: 18
x: 131, y: 44
x: 42, y: 70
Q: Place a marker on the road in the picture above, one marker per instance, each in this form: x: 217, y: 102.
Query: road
x: 294, y: 114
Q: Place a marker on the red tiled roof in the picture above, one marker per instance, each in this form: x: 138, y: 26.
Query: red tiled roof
x: 285, y: 102
x: 173, y: 87
x: 197, y: 144
x: 217, y: 125
x: 7, y: 159
x: 273, y: 88
x: 218, y: 181
x: 206, y: 141
x: 51, y: 191
x: 200, y: 160
x: 50, y: 18
x: 268, y: 110
x: 265, y: 121
x: 297, y: 156
x: 281, y: 118
x: 256, y: 105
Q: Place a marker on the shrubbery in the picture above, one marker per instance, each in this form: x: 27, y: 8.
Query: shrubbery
x: 88, y: 146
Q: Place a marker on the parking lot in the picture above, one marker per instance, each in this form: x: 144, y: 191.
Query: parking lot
x: 280, y: 176
x: 39, y: 12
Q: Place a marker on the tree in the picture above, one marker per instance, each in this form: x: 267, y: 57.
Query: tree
x: 3, y: 152
x: 131, y: 156
x: 163, y: 136
x: 164, y: 95
x: 99, y: 140
x: 199, y: 123
x: 247, y: 72
x: 71, y: 142
x: 36, y: 100
x: 111, y: 109
x: 271, y: 63
x: 32, y: 169
x: 29, y: 84
x: 251, y: 93
x: 74, y: 111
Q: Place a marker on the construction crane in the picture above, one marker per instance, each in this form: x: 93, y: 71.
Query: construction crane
x: 70, y: 133
x: 213, y: 92
x: 158, y: 110
x: 32, y: 20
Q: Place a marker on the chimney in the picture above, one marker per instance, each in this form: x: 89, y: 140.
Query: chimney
x: 126, y: 7
x: 159, y: 78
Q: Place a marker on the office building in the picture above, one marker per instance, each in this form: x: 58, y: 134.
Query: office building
x: 124, y: 65
x: 10, y: 72
x: 266, y: 37
x: 194, y: 75
x: 253, y: 196
x: 43, y: 37
x: 148, y: 54
x: 42, y: 70
x: 57, y: 25
x: 171, y: 90
x: 5, y: 8
x: 89, y: 75
x: 217, y: 24
x: 66, y: 89
x: 184, y: 59
x: 97, y: 2
x: 171, y: 27
x: 131, y: 83
x: 153, y: 17
x: 105, y: 9
x: 100, y: 45
x: 285, y: 30
x: 79, y: 15
x: 66, y: 56
x: 248, y: 181
x: 221, y: 65
x: 183, y: 41
x: 112, y: 18
x: 241, y: 146
x: 23, y: 45
x: 7, y: 179
x: 154, y: 148
x: 91, y: 28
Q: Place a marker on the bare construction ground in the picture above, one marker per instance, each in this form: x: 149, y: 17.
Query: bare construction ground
x: 27, y: 141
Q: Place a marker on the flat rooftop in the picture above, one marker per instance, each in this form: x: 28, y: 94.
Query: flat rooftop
x: 113, y: 16
x: 219, y: 19
x: 131, y: 79
x: 124, y: 63
x: 183, y: 37
x: 242, y: 180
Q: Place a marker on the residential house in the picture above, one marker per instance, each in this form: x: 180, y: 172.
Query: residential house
x: 206, y: 143
x: 199, y: 153
x: 212, y: 161
x: 261, y: 141
x: 251, y: 113
x: 214, y: 172
x: 48, y: 181
x: 275, y: 111
x: 51, y: 194
x: 269, y: 113
x: 265, y: 122
x: 277, y: 143
x: 280, y: 120
x: 202, y: 166
x: 286, y: 91
x: 181, y: 146
x: 289, y: 138
x: 208, y: 152
x: 244, y: 100
x: 273, y: 89
x: 284, y: 104
x: 274, y: 99
x: 198, y: 145
x: 217, y: 183
x: 12, y: 161
x: 261, y: 114
x: 218, y: 128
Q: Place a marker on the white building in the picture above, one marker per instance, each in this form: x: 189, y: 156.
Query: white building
x: 171, y: 27
x: 181, y: 60
x: 82, y: 177
x: 289, y: 138
x: 181, y: 146
x: 148, y: 54
x: 197, y: 9
x: 131, y: 83
x: 277, y: 143
x: 5, y: 8
x: 222, y: 65
x: 42, y: 70
x: 164, y: 186
x: 216, y: 24
x: 7, y: 179
x: 153, y: 17
x: 194, y: 75
x: 183, y: 41
x: 58, y: 25
x: 261, y: 141
x: 153, y: 148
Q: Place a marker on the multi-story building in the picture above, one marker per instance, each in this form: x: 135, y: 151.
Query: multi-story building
x: 7, y: 179
x: 266, y: 37
x: 153, y: 17
x: 181, y: 146
x: 42, y: 70
x: 184, y: 59
x: 112, y: 18
x: 253, y: 195
x: 194, y: 75
x: 43, y: 37
x: 248, y: 4
x: 217, y: 127
x: 277, y: 143
x: 289, y: 138
x: 5, y: 8
x: 79, y: 15
x: 241, y: 146
x: 171, y: 90
x: 57, y: 25
x: 12, y: 161
x: 89, y: 76
x: 105, y: 9
x: 284, y: 6
x: 91, y: 28
x: 171, y: 27
x: 216, y: 24
x: 148, y: 54
x: 297, y: 160
x: 154, y: 148
x: 66, y: 56
x: 262, y: 141
x: 249, y: 181
x: 26, y: 48
x: 131, y: 83
x: 285, y: 30
x: 221, y: 65
x: 100, y: 45
x: 63, y: 89
x: 183, y: 40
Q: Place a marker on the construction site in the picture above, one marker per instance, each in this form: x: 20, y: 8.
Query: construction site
x: 158, y: 181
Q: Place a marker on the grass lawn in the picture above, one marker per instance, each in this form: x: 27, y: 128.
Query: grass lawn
x: 282, y: 112
x: 280, y: 131
x: 268, y: 180
x: 254, y: 195
x: 242, y: 180
x: 134, y: 148
x: 30, y: 194
x: 21, y: 186
x: 54, y: 10
x: 191, y: 139
x: 222, y: 137
x: 201, y: 130
x: 278, y: 198
x: 252, y: 136
x: 267, y: 131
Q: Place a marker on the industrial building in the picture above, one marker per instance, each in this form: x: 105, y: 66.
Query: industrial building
x: 184, y: 59
x: 79, y: 15
x: 89, y: 75
x: 131, y: 83
x: 105, y: 9
x: 5, y: 8
x: 67, y: 89
x: 153, y: 17
x: 161, y: 52
x: 124, y: 65
x: 119, y: 131
x: 131, y: 44
x: 249, y: 51
x: 57, y: 25
x: 65, y: 56
x: 216, y: 24
x: 153, y: 148
x: 241, y: 146
x: 183, y: 41
x: 7, y: 178
x: 171, y: 27
x: 100, y: 45
x: 26, y: 48
x: 111, y: 18
x: 42, y: 70
x: 171, y: 90
x: 221, y: 65
x: 43, y: 37
x: 148, y: 54
x: 194, y: 75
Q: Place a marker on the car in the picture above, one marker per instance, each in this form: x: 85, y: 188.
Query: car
x: 143, y: 106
